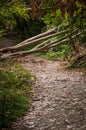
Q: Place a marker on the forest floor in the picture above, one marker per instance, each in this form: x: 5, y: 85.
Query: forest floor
x: 59, y: 97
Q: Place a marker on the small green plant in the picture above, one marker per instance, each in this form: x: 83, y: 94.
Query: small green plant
x: 59, y: 53
x: 52, y: 55
x: 15, y: 89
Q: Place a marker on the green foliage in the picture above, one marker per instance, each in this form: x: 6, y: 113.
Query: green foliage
x: 52, y: 55
x: 59, y: 53
x: 79, y: 19
x: 15, y: 18
x: 52, y: 20
x: 2, y: 31
x: 53, y: 17
x: 15, y: 89
x: 9, y: 10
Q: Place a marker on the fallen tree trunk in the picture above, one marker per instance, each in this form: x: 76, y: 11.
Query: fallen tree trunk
x: 49, y: 32
x: 44, y: 36
x: 41, y: 47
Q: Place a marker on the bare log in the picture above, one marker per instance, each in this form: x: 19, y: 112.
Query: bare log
x: 47, y: 43
x: 54, y: 30
x: 33, y: 40
x: 34, y: 50
x: 65, y: 40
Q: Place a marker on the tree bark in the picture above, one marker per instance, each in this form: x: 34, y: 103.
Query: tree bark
x: 39, y: 48
x: 34, y: 40
x: 46, y: 45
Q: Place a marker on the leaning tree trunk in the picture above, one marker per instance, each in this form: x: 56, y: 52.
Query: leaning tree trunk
x: 44, y: 43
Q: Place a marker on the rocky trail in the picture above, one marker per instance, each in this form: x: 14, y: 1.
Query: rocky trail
x: 59, y: 97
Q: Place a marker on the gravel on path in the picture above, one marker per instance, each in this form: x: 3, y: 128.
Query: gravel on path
x: 59, y: 97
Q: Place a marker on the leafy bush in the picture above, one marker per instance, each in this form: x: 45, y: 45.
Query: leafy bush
x: 59, y: 53
x: 52, y: 55
x: 9, y: 10
x: 63, y: 51
x: 15, y: 89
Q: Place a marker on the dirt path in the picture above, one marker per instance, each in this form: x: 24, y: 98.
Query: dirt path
x: 59, y: 100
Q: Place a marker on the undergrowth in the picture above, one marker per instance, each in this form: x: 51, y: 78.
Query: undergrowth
x: 15, y: 91
x: 59, y: 53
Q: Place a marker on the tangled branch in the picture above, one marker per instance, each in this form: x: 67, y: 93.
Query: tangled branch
x: 47, y: 44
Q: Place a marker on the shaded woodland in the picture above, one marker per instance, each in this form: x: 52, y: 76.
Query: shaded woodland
x: 52, y: 29
x: 63, y: 23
